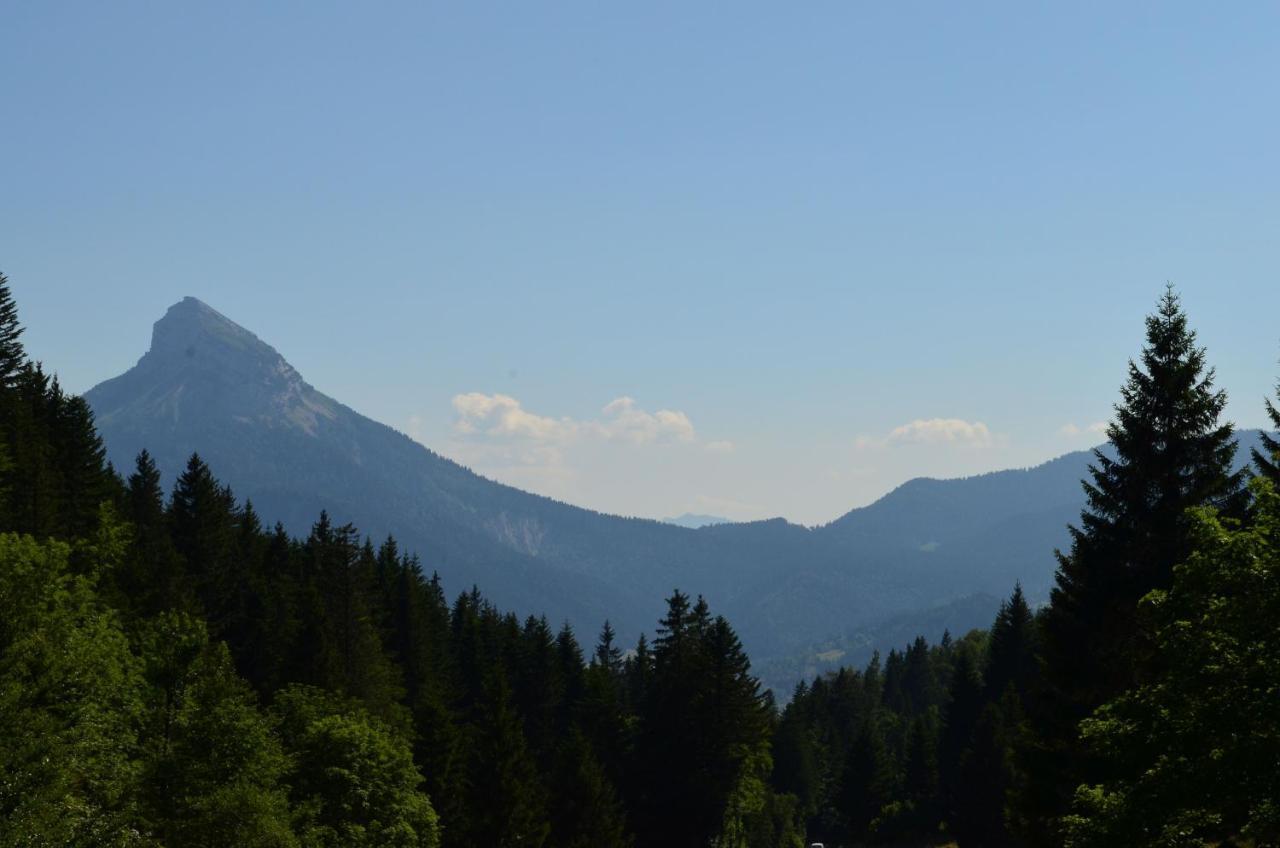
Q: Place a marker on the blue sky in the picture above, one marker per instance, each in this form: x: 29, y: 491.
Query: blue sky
x: 785, y: 232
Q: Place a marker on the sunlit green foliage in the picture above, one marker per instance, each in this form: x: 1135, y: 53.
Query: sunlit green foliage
x: 70, y: 701
x: 1195, y: 748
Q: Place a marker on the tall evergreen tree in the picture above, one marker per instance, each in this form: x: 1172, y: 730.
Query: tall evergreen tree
x: 867, y: 782
x: 1171, y: 452
x: 153, y: 576
x: 1011, y: 651
x: 539, y: 689
x: 585, y: 811
x: 202, y: 519
x: 84, y: 478
x: 1267, y: 460
x: 507, y: 807
x: 964, y: 708
x: 12, y: 356
x: 607, y: 655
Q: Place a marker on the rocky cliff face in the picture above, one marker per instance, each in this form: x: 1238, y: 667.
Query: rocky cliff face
x: 204, y: 368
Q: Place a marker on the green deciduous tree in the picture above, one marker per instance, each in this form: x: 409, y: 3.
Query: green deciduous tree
x: 71, y: 706
x: 353, y: 779
x: 1193, y: 749
x: 213, y: 767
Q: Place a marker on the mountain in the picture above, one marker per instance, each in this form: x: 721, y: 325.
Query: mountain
x: 855, y: 647
x: 693, y: 521
x: 208, y: 385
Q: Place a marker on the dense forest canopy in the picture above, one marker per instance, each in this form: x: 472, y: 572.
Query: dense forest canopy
x: 177, y: 670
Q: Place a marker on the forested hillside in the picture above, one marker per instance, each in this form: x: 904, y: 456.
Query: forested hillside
x: 210, y: 386
x: 178, y: 670
x: 173, y: 672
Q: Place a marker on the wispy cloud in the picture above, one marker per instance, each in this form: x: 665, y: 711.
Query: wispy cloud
x: 621, y: 420
x: 577, y: 459
x: 1071, y: 431
x: 932, y: 431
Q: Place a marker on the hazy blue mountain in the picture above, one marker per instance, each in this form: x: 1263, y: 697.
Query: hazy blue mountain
x: 693, y: 520
x: 856, y: 646
x: 209, y: 385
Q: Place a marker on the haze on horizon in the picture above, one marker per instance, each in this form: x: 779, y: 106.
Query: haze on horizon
x: 660, y: 260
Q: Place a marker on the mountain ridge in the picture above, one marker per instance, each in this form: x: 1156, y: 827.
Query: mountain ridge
x: 208, y: 385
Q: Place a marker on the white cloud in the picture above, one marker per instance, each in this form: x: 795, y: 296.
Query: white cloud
x: 1071, y: 431
x: 933, y: 431
x: 502, y: 415
x: 622, y: 420
x: 580, y: 460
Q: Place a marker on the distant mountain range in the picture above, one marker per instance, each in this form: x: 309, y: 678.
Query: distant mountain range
x: 208, y: 385
x: 693, y: 521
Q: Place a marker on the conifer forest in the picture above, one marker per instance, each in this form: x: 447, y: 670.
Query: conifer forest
x: 178, y: 670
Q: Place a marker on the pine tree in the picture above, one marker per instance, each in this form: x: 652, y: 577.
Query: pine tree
x: 1267, y: 460
x: 920, y: 769
x: 1011, y: 651
x: 34, y: 485
x: 704, y: 727
x: 1171, y: 452
x: 202, y: 523
x: 988, y: 776
x: 83, y: 476
x: 867, y: 782
x: 12, y: 356
x: 603, y: 720
x: 796, y: 767
x: 507, y: 805
x: 964, y: 707
x: 585, y: 811
x: 358, y: 664
x: 571, y: 668
x: 607, y: 655
x: 731, y: 712
x: 637, y: 673
x: 539, y: 689
x: 668, y: 769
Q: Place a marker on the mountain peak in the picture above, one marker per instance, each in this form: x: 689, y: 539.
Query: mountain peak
x: 191, y: 327
x: 203, y: 366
